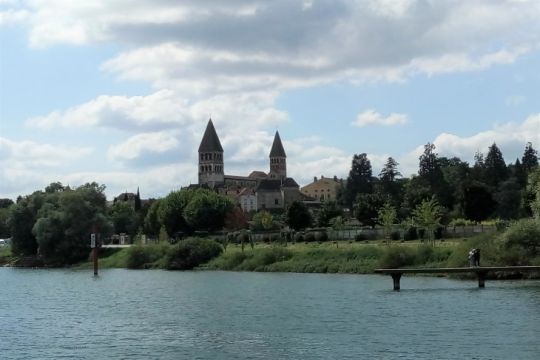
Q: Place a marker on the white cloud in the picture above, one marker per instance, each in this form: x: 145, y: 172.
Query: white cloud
x: 135, y: 146
x: 511, y: 138
x: 372, y: 117
x: 216, y: 47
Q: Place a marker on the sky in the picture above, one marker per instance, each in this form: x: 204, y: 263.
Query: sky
x: 120, y: 92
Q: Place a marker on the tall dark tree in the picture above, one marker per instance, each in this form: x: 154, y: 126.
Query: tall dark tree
x: 137, y: 205
x: 479, y: 167
x: 509, y: 199
x: 530, y: 158
x: 478, y: 202
x: 360, y: 179
x: 389, y: 172
x: 298, y: 216
x: 430, y: 170
x: 366, y: 208
x: 495, y: 167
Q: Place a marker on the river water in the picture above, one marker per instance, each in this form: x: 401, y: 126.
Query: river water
x: 151, y: 314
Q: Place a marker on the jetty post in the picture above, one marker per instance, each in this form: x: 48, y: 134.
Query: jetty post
x: 93, y: 245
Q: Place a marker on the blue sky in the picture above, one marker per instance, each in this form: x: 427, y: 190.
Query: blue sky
x: 119, y: 92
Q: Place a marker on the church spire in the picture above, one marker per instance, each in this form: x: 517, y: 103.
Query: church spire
x: 210, y: 141
x: 278, y: 160
x: 277, y: 147
x: 211, y: 170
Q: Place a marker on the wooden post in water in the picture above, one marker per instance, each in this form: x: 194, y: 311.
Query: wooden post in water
x: 93, y: 245
x: 481, y: 279
x: 396, y: 277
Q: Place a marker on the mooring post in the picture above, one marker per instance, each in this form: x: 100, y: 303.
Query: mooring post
x: 481, y: 278
x: 396, y: 277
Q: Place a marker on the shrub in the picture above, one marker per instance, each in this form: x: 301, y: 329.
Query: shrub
x: 524, y: 233
x: 321, y: 236
x: 298, y: 237
x: 309, y: 237
x: 410, y: 233
x: 501, y: 225
x: 144, y: 256
x: 360, y: 237
x: 438, y: 233
x: 395, y: 235
x: 397, y: 256
x: 190, y: 253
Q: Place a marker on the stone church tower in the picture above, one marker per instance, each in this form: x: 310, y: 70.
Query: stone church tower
x: 278, y: 160
x: 211, y: 170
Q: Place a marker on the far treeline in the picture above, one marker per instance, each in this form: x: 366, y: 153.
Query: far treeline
x: 56, y: 223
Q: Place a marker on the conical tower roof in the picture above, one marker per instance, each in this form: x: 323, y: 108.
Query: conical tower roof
x: 210, y: 141
x: 277, y: 147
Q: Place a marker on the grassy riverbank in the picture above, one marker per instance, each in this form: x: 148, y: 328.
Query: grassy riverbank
x: 329, y: 257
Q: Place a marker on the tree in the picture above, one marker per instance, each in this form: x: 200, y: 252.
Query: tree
x: 171, y: 211
x: 533, y: 189
x: 508, y: 199
x: 5, y: 232
x: 389, y: 185
x: 389, y: 172
x: 366, y: 208
x: 206, y: 210
x: 263, y: 220
x: 428, y: 215
x: 429, y: 166
x: 123, y: 218
x: 530, y: 158
x: 387, y: 216
x: 152, y: 224
x: 21, y: 219
x: 137, y: 205
x: 495, y: 167
x: 330, y: 209
x: 298, y: 216
x: 236, y: 219
x: 5, y: 203
x: 66, y: 220
x: 478, y: 202
x: 360, y: 179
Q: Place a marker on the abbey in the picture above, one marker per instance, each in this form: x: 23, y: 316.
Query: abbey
x: 258, y: 190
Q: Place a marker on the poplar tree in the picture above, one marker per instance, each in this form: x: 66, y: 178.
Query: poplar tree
x: 495, y: 167
x: 530, y: 158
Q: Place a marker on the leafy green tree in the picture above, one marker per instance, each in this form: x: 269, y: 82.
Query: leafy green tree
x: 360, y: 179
x: 389, y: 184
x: 66, y: 220
x: 236, y: 219
x: 509, y: 199
x: 530, y: 158
x: 263, y: 220
x: 415, y: 190
x: 5, y: 231
x: 428, y: 215
x: 329, y: 210
x: 495, y: 167
x: 5, y: 203
x: 124, y: 218
x: 533, y: 189
x: 366, y: 208
x: 387, y: 216
x: 207, y: 210
x: 171, y: 211
x: 298, y: 216
x: 478, y: 202
x: 21, y: 219
x: 152, y: 224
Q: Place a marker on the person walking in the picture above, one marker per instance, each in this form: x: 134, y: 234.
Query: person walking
x: 477, y: 257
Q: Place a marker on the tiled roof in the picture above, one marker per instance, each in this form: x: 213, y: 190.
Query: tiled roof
x: 269, y: 185
x: 290, y: 182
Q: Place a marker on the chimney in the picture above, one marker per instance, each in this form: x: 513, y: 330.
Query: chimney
x: 335, y: 178
x: 314, y: 179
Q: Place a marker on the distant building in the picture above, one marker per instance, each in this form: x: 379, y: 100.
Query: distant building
x: 322, y: 189
x: 258, y: 190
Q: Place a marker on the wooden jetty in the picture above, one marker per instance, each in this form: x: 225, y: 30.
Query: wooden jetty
x: 480, y: 271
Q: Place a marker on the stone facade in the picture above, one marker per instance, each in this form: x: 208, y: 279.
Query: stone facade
x: 322, y: 189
